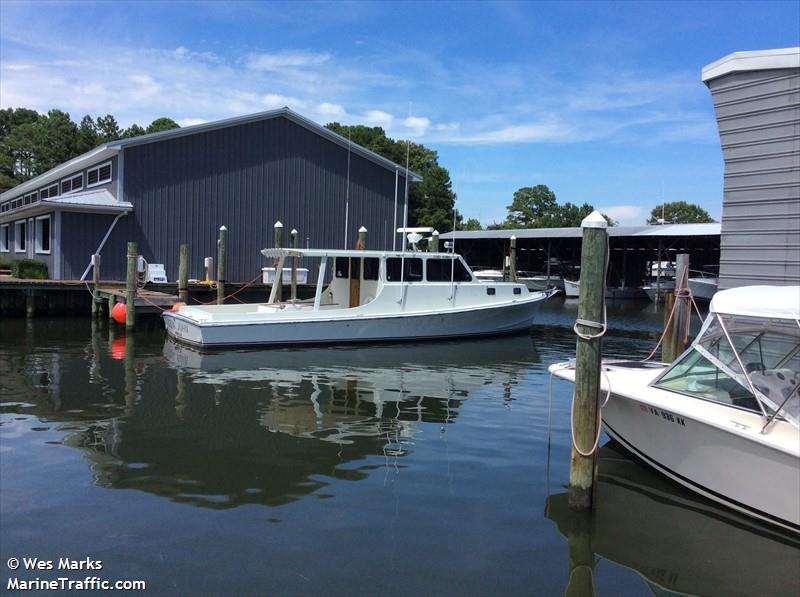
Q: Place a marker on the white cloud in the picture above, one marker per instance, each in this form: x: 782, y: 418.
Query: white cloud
x: 287, y: 59
x: 417, y: 124
x: 626, y: 215
x: 328, y: 110
x: 191, y: 121
x: 378, y: 118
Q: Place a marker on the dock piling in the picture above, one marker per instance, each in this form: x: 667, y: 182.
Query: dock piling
x: 435, y: 242
x: 96, y: 309
x: 183, y: 274
x: 130, y: 286
x: 682, y: 307
x: 293, y: 233
x: 278, y: 240
x: 589, y: 326
x: 512, y: 273
x: 221, y: 265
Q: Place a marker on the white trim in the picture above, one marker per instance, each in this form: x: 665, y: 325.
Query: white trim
x: 756, y: 60
x: 99, y: 180
x: 5, y: 237
x: 17, y: 223
x: 57, y: 251
x: 38, y: 236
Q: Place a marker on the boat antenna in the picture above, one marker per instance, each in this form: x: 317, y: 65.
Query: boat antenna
x: 453, y: 261
x: 408, y: 157
x: 347, y: 190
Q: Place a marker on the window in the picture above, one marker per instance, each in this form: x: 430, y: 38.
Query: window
x: 20, y: 229
x: 98, y: 175
x: 371, y: 268
x: 43, y: 234
x: 411, y: 269
x: 439, y: 270
x: 30, y: 198
x: 342, y: 267
x: 72, y: 184
x: 51, y: 191
x: 4, y: 238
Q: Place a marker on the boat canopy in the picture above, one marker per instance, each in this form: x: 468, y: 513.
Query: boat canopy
x: 759, y: 301
x: 283, y: 253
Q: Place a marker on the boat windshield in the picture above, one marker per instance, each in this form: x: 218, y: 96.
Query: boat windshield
x: 758, y: 367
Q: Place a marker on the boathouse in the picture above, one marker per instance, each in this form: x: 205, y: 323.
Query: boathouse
x: 757, y: 102
x: 180, y: 186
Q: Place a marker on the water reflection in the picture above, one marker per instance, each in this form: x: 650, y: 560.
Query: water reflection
x: 224, y: 429
x: 677, y: 541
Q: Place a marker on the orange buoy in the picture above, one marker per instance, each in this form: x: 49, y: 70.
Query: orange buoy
x: 177, y: 306
x: 118, y: 346
x: 119, y: 312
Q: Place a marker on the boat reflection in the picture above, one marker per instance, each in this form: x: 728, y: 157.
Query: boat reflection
x: 680, y: 543
x: 221, y: 430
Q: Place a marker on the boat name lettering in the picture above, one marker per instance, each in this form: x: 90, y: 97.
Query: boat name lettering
x: 663, y: 414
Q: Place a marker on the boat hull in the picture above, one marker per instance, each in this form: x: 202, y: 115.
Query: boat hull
x: 703, y: 289
x: 492, y: 320
x: 747, y: 476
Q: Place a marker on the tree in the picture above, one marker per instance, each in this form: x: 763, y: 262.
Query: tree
x: 430, y: 202
x: 472, y: 224
x: 108, y: 129
x: 133, y: 130
x: 679, y: 212
x: 55, y: 140
x: 532, y: 207
x: 161, y: 124
x: 87, y: 135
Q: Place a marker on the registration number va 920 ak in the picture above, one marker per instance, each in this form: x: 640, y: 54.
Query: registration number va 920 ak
x: 667, y: 416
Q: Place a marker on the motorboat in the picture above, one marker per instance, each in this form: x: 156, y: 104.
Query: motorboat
x: 371, y: 296
x: 703, y: 287
x: 572, y: 289
x: 532, y: 280
x: 658, y: 290
x: 724, y: 418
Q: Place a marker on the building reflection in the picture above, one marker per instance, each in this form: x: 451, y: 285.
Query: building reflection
x: 230, y: 428
x: 680, y: 543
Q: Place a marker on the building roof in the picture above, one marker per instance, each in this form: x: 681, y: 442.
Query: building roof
x: 98, y: 201
x: 712, y: 229
x: 755, y: 60
x: 112, y: 148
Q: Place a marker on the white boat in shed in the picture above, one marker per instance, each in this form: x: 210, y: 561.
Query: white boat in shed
x: 724, y: 418
x: 371, y: 296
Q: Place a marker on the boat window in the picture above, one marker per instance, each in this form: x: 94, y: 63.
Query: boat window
x: 371, y: 268
x: 342, y: 268
x: 439, y: 270
x: 696, y: 376
x: 412, y: 265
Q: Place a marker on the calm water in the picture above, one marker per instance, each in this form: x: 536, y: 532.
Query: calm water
x: 402, y: 469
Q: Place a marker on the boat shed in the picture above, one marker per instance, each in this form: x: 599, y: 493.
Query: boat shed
x: 756, y: 98
x: 180, y: 186
x: 558, y: 250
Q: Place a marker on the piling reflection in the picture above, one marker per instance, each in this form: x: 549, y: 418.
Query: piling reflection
x: 678, y: 542
x: 224, y: 429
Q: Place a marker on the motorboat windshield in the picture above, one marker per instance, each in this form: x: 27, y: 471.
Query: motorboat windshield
x: 745, y: 360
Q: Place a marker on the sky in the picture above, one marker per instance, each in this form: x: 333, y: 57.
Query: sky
x: 602, y: 102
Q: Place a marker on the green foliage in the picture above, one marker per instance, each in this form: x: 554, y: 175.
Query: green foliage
x: 4, y: 262
x: 162, y: 124
x: 536, y: 207
x: 472, y: 224
x: 679, y: 212
x: 430, y: 202
x: 32, y: 143
x: 29, y: 269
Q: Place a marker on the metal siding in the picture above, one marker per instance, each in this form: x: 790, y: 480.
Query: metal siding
x: 758, y: 114
x: 247, y: 177
x: 81, y: 234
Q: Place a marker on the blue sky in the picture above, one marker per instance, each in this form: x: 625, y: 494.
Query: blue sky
x: 602, y: 102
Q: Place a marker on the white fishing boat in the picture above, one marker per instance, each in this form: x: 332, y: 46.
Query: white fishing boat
x: 371, y: 296
x: 724, y: 418
x: 703, y: 287
x: 572, y: 289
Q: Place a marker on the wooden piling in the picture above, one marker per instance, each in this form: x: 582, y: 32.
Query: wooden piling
x: 183, y: 274
x: 435, y: 242
x: 96, y: 309
x: 130, y: 287
x: 30, y: 305
x: 221, y: 265
x: 293, y: 234
x: 278, y: 283
x: 112, y: 300
x: 682, y: 305
x: 362, y: 238
x: 512, y: 274
x: 668, y: 342
x: 585, y: 415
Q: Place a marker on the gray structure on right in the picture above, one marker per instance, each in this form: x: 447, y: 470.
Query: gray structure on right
x: 757, y: 102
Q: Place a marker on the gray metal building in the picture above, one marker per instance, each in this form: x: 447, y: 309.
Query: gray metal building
x: 180, y: 186
x: 757, y: 102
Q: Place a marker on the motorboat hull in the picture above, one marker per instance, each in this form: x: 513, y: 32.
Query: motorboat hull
x: 409, y: 326
x: 718, y: 463
x: 703, y: 289
x: 572, y: 289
